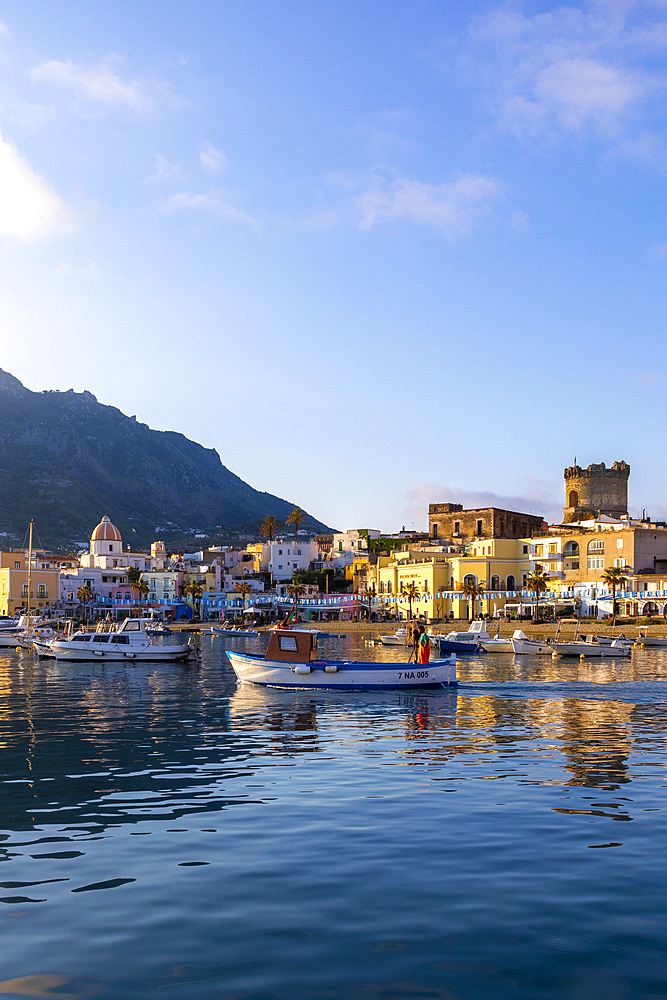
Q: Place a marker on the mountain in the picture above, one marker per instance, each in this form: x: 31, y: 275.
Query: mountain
x: 65, y: 460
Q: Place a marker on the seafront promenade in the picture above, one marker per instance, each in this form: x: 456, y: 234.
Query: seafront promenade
x: 542, y: 630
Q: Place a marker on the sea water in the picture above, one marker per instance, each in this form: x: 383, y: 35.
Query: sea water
x: 166, y: 832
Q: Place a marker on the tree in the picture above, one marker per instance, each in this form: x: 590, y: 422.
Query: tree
x: 142, y: 589
x: 614, y: 577
x: 195, y: 590
x: 267, y: 529
x: 472, y: 590
x: 295, y: 591
x: 243, y: 589
x: 133, y: 576
x: 295, y: 519
x: 85, y: 596
x: 371, y: 591
x: 537, y: 581
x: 411, y: 591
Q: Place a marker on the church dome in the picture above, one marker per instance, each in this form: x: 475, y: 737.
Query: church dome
x: 105, y: 532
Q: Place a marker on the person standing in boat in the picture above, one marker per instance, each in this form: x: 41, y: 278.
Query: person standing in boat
x: 423, y: 646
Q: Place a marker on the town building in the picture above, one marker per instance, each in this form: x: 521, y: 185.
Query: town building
x: 449, y: 522
x: 44, y: 584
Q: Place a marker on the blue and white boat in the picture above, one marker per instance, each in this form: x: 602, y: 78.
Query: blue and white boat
x: 463, y: 642
x: 291, y: 662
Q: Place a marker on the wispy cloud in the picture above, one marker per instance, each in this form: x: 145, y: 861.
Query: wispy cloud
x: 452, y: 208
x: 100, y: 84
x: 217, y: 204
x: 212, y: 159
x: 30, y: 209
x: 539, y: 500
x: 573, y: 70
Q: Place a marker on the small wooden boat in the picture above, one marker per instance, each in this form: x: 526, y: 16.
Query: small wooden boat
x: 291, y: 661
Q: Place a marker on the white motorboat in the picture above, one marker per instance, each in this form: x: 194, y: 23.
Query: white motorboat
x: 591, y: 647
x: 497, y: 644
x: 397, y: 639
x: 130, y: 642
x: 649, y: 640
x: 470, y: 641
x: 236, y: 632
x: 523, y: 646
x: 291, y: 662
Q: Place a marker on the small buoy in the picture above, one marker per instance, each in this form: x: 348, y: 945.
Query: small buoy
x: 581, y: 656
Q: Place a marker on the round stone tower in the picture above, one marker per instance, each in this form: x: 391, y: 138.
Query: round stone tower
x: 596, y: 490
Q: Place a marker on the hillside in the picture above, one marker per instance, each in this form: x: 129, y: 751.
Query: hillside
x: 66, y: 459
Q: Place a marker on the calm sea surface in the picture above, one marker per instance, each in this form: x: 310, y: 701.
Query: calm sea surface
x: 165, y: 832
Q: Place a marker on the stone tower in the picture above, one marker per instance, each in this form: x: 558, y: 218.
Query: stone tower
x: 596, y: 490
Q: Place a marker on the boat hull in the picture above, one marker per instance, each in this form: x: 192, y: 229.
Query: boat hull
x: 589, y: 649
x: 498, y: 646
x: 342, y: 674
x: 61, y: 651
x: 453, y: 646
x: 531, y: 647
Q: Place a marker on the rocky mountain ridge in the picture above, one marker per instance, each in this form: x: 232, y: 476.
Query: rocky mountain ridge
x: 66, y: 459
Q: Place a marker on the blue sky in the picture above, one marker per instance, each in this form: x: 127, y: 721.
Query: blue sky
x: 376, y: 254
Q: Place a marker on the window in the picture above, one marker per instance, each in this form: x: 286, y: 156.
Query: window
x: 280, y: 552
x: 573, y: 499
x: 552, y: 548
x: 525, y: 550
x: 426, y: 586
x: 480, y: 525
x: 24, y: 591
x: 597, y: 545
x: 340, y: 546
x: 457, y: 527
x: 619, y: 543
x: 495, y: 583
x: 621, y: 563
x: 511, y: 583
x: 41, y: 590
x: 595, y: 562
x: 17, y: 565
x: 435, y: 530
x: 571, y: 549
x: 287, y: 643
x: 111, y: 548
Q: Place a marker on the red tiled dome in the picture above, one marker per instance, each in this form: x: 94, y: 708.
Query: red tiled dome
x: 105, y: 532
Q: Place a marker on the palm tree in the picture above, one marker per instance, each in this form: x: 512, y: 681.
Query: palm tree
x: 243, y: 589
x: 267, y: 529
x: 371, y: 591
x: 195, y: 590
x: 537, y: 581
x: 472, y: 589
x: 295, y: 519
x: 614, y: 577
x: 142, y: 589
x: 295, y: 591
x: 85, y: 595
x: 411, y: 591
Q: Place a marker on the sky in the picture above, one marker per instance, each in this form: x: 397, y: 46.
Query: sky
x: 376, y: 254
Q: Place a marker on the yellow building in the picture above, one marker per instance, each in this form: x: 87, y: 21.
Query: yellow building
x: 44, y: 585
x: 499, y: 565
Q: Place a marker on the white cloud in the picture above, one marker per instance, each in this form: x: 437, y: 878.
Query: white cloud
x: 216, y: 204
x: 573, y: 69
x: 212, y: 159
x: 452, y: 208
x: 100, y: 85
x: 30, y: 209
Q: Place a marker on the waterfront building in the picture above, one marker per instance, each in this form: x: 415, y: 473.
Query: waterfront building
x: 44, y: 584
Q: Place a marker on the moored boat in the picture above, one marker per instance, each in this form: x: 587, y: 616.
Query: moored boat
x: 523, y: 646
x: 591, y: 647
x: 649, y: 640
x: 470, y: 641
x: 130, y: 642
x: 291, y: 661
